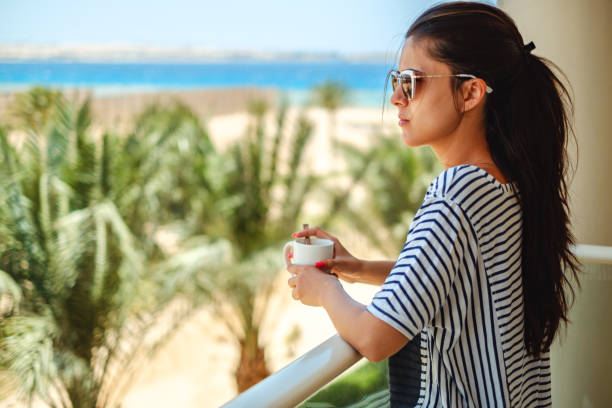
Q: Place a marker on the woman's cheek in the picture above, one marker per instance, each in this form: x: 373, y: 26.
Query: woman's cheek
x: 433, y: 128
x: 417, y: 133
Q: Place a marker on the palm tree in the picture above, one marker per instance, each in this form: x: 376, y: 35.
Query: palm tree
x: 260, y: 198
x: 34, y: 109
x: 86, y: 293
x: 87, y: 282
x: 331, y: 95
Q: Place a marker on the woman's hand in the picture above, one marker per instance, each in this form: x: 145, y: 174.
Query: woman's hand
x: 347, y: 268
x: 344, y: 265
x: 310, y: 284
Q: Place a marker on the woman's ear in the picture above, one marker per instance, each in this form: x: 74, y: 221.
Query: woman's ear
x: 474, y: 91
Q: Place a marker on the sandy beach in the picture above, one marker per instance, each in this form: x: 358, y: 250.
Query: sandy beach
x: 195, y: 368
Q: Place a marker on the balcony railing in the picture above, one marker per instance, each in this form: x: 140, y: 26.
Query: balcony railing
x: 302, y: 378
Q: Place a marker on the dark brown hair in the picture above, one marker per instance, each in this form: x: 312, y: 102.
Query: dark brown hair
x: 527, y: 126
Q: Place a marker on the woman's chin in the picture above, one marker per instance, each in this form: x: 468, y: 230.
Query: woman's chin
x: 409, y: 141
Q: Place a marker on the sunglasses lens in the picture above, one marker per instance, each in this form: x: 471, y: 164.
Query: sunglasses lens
x: 407, y: 86
x: 405, y: 82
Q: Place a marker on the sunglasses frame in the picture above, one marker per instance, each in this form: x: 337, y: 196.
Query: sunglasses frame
x: 401, y: 76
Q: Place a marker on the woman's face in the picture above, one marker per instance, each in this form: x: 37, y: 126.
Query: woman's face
x: 431, y: 117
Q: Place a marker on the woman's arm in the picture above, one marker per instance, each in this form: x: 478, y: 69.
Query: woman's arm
x: 370, y: 336
x: 351, y: 269
x: 375, y: 272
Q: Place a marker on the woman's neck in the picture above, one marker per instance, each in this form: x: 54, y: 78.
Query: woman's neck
x: 467, y: 145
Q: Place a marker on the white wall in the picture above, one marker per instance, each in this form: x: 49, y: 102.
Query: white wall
x: 577, y: 36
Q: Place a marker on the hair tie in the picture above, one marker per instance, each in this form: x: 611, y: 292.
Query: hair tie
x: 528, y: 47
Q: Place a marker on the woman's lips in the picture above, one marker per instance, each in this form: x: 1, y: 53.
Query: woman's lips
x: 402, y: 122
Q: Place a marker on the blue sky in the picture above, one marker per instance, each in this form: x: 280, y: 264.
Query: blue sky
x: 265, y: 25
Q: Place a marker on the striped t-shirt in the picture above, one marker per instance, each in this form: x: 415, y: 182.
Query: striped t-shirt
x: 456, y: 292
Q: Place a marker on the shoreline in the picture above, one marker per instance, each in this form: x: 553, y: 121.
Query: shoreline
x: 361, y: 97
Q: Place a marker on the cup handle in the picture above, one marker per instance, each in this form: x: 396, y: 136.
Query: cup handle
x: 285, y: 253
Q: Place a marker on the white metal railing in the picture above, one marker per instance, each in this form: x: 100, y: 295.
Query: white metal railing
x: 306, y: 375
x: 594, y: 253
x: 300, y: 379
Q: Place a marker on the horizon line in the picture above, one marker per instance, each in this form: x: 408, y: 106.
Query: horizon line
x: 148, y: 53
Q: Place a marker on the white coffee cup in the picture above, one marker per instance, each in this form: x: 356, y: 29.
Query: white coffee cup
x: 304, y: 254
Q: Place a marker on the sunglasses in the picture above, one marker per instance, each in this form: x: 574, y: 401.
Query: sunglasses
x: 408, y: 79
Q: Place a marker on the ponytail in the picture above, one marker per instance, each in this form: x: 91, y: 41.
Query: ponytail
x: 527, y: 132
x: 527, y: 127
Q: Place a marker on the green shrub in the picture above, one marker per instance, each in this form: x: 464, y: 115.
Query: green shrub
x: 367, y: 379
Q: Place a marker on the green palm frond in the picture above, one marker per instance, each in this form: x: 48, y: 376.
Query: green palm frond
x: 164, y: 140
x: 258, y: 109
x: 198, y: 264
x: 246, y: 288
x: 108, y: 212
x: 74, y: 235
x: 80, y: 174
x: 276, y: 143
x: 58, y: 137
x: 395, y: 178
x: 399, y: 179
x: 8, y: 287
x: 105, y: 167
x: 359, y: 163
x: 27, y: 350
x: 330, y: 94
x: 35, y: 108
x: 83, y: 117
x: 302, y: 136
x: 247, y: 192
x: 28, y: 258
x: 294, y: 205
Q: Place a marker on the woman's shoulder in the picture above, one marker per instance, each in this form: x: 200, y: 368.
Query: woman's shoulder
x: 459, y: 183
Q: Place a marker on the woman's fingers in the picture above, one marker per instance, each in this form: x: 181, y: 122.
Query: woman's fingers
x: 338, y: 267
x: 325, y: 264
x: 294, y: 269
x: 292, y: 282
x: 333, y: 263
x: 332, y: 266
x: 319, y: 233
x: 316, y: 231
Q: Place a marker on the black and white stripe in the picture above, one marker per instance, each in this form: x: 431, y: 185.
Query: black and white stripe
x: 456, y: 289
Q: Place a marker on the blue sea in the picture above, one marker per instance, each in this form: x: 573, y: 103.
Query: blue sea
x: 366, y: 80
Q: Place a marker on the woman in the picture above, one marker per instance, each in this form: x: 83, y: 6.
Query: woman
x: 468, y: 311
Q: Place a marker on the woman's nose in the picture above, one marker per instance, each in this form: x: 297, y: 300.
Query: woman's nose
x: 398, y: 98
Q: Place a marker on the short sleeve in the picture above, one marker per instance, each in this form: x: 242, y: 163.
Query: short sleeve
x: 421, y: 279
